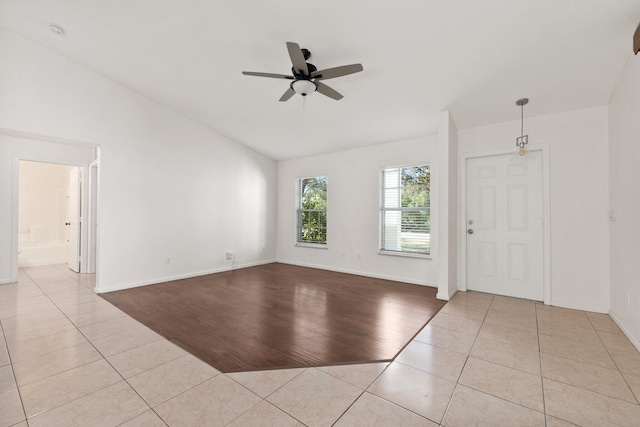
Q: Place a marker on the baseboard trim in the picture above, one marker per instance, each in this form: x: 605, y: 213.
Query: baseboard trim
x: 593, y: 308
x: 7, y: 281
x: 633, y: 340
x: 445, y: 296
x: 360, y: 273
x: 42, y: 263
x: 107, y: 289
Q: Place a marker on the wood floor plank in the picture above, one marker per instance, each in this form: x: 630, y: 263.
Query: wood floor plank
x: 282, y: 316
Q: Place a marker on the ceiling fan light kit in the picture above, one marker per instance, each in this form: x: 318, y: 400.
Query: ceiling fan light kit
x: 306, y: 77
x: 303, y: 87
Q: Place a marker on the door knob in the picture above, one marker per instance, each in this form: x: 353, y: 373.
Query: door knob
x: 470, y: 231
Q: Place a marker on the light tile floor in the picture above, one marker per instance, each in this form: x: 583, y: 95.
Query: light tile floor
x: 68, y: 358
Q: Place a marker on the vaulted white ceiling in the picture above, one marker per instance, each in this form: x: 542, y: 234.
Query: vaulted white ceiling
x: 472, y: 57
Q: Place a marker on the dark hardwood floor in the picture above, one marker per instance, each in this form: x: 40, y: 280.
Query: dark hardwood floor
x: 282, y: 316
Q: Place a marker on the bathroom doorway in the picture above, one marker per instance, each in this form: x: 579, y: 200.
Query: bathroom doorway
x: 49, y: 214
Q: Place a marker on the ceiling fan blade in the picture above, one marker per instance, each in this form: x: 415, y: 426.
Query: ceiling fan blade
x: 331, y: 73
x: 297, y: 58
x: 327, y: 91
x: 272, y: 75
x: 288, y: 94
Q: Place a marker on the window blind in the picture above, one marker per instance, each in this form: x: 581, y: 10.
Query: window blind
x: 405, y: 210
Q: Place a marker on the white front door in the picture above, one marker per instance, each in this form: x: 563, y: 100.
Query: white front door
x: 505, y: 226
x: 73, y: 220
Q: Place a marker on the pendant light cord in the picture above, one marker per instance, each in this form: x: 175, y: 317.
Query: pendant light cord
x: 522, y: 120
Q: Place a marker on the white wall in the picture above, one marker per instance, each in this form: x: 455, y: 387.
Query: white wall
x: 624, y: 157
x: 353, y: 205
x: 169, y: 186
x: 579, y: 201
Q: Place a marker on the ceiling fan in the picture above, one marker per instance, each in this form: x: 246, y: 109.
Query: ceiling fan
x: 306, y: 77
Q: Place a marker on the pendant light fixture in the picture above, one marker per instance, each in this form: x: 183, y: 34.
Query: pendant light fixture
x: 523, y: 139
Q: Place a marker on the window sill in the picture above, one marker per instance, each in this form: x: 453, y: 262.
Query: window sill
x: 405, y: 254
x: 312, y: 245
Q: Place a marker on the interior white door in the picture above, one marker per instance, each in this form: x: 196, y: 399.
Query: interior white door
x: 505, y: 226
x: 73, y: 220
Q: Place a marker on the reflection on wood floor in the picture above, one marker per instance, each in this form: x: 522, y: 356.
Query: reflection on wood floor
x: 282, y: 316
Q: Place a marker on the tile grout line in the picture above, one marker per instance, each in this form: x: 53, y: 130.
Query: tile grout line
x: 416, y: 334
x: 544, y: 401
x: 456, y: 382
x: 98, y: 351
x: 489, y: 394
x: 24, y: 411
x: 13, y: 372
x: 364, y: 390
x: 466, y: 358
x: 615, y: 363
x: 498, y: 397
x: 465, y: 363
x: 66, y: 370
x: 568, y: 358
x: 586, y: 389
x: 264, y: 399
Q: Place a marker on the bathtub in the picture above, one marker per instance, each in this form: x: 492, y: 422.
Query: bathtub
x: 33, y: 256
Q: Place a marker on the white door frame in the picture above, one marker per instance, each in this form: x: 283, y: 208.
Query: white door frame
x: 57, y: 158
x: 75, y: 238
x: 546, y: 227
x: 83, y: 169
x: 92, y: 217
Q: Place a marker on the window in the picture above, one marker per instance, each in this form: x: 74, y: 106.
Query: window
x: 311, y: 204
x: 404, y: 210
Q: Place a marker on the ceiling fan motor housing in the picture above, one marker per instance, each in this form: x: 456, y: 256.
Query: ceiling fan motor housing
x: 311, y: 69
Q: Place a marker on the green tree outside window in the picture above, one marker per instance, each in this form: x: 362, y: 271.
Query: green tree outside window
x: 312, y: 210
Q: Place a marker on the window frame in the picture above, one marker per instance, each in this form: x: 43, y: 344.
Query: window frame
x: 382, y: 210
x: 299, y: 210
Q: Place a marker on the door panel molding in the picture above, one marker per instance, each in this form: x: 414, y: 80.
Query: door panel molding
x: 543, y: 149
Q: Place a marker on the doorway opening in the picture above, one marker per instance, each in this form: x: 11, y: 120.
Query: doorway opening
x: 48, y: 215
x: 52, y: 206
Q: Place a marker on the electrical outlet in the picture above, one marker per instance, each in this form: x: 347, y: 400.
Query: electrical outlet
x: 612, y: 215
x: 167, y: 261
x: 229, y: 256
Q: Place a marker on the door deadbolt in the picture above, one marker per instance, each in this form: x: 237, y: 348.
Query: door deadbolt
x: 469, y: 231
x: 470, y: 222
